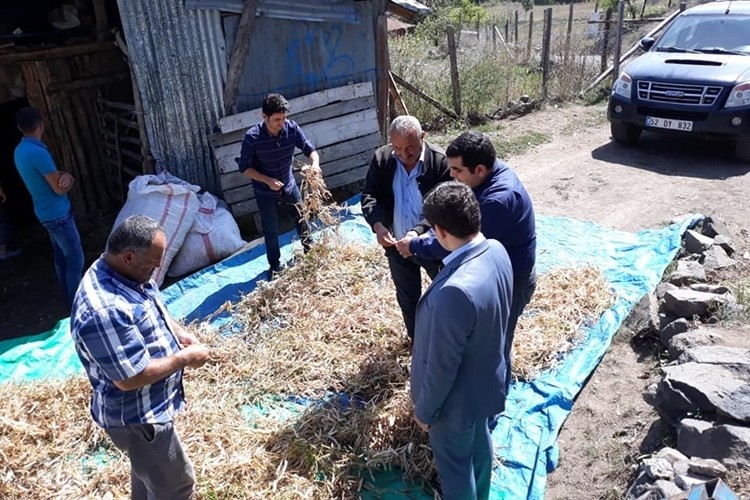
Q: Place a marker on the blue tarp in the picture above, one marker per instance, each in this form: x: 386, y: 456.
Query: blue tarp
x: 526, y: 435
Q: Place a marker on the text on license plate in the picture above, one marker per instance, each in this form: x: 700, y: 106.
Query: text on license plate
x: 685, y: 126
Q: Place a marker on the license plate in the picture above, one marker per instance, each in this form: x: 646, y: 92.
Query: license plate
x: 683, y: 125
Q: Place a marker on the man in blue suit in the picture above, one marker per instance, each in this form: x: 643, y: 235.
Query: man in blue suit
x: 458, y: 367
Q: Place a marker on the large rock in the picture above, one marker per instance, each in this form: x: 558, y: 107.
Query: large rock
x: 713, y: 228
x: 667, y: 489
x: 726, y: 243
x: 705, y: 287
x: 716, y: 258
x: 735, y: 359
x: 663, y: 288
x: 676, y: 327
x: 657, y: 468
x: 736, y: 404
x: 644, y: 315
x: 688, y: 303
x: 671, y: 455
x: 708, y: 467
x: 687, y: 273
x: 692, y: 387
x: 699, y: 337
x: 696, y: 242
x: 729, y: 444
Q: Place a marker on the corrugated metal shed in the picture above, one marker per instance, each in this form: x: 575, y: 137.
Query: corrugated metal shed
x: 179, y: 51
x: 298, y: 57
x: 179, y: 61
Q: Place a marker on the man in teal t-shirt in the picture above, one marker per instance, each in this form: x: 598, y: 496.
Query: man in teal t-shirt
x: 49, y: 187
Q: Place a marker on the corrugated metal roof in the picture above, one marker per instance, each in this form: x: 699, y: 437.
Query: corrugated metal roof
x: 299, y: 10
x: 413, y: 6
x: 179, y: 60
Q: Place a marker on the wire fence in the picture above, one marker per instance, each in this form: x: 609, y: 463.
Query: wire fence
x: 514, y: 59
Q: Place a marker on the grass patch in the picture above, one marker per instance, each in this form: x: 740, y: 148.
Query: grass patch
x: 507, y: 148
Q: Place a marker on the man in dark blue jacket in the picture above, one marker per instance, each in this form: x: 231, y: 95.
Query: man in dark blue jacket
x: 507, y: 216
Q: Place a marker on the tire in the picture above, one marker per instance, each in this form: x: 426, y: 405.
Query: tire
x: 624, y: 133
x: 742, y: 149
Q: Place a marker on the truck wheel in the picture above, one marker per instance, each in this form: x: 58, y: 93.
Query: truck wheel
x: 625, y: 134
x: 742, y: 149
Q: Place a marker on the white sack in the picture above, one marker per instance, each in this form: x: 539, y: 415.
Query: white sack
x: 171, y: 202
x: 214, y: 236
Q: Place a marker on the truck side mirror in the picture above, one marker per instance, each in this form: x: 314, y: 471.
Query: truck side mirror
x: 646, y: 43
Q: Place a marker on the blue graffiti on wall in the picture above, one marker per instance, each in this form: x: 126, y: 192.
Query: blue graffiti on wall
x: 317, y: 56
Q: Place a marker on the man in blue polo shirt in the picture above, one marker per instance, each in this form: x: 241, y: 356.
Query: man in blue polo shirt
x: 49, y: 187
x: 266, y: 158
x: 134, y: 354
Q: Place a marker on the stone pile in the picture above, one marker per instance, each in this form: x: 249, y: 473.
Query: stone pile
x: 705, y: 387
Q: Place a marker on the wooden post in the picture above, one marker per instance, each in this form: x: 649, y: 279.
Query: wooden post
x: 239, y: 55
x: 408, y: 86
x: 618, y: 40
x: 383, y: 62
x: 669, y: 4
x: 507, y: 28
x: 546, y: 43
x: 605, y: 38
x: 643, y: 9
x: 596, y: 6
x: 568, y: 34
x: 454, y: 71
x: 515, y: 29
x: 477, y: 27
x: 396, y: 95
x: 102, y: 23
x: 460, y: 29
x: 683, y: 4
x: 531, y: 33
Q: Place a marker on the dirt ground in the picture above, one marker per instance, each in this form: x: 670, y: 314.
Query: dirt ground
x: 579, y: 173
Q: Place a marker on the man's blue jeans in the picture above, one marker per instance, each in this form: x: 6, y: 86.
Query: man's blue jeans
x: 68, y: 254
x: 269, y: 202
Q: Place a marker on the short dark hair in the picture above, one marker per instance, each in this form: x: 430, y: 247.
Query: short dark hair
x: 453, y: 206
x: 134, y: 234
x: 275, y: 103
x: 474, y: 148
x: 28, y: 119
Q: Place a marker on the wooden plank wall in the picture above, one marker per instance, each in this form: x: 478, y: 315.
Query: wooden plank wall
x: 66, y: 90
x: 342, y: 123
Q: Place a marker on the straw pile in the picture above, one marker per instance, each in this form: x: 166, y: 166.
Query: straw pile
x: 565, y: 300
x: 311, y: 396
x: 316, y: 199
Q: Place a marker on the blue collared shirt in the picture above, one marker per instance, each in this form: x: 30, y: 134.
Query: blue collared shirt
x: 407, y: 198
x: 118, y: 327
x: 475, y: 241
x: 33, y: 162
x: 272, y: 155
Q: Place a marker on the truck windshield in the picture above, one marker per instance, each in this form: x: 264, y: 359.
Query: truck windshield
x: 711, y: 34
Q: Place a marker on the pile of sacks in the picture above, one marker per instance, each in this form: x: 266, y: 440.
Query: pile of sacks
x: 200, y: 230
x: 704, y: 388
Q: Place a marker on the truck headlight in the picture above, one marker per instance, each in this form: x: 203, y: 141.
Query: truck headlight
x: 739, y: 96
x: 623, y: 86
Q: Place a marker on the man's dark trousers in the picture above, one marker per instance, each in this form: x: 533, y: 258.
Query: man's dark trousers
x: 407, y: 277
x: 269, y: 202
